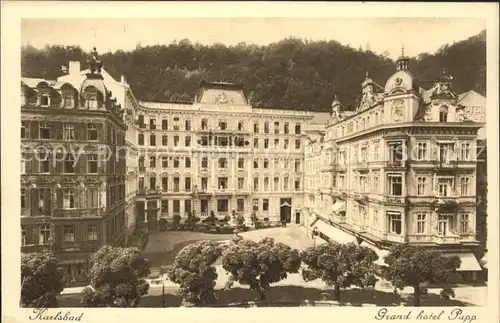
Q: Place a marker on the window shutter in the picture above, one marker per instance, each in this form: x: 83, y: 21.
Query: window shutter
x: 34, y: 202
x: 59, y: 199
x: 34, y: 130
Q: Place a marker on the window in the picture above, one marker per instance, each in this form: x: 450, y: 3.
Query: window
x: 266, y: 163
x: 266, y: 143
x: 297, y: 184
x: 176, y: 123
x: 222, y: 125
x: 297, y: 143
x: 187, y: 125
x: 442, y: 225
x: 222, y: 183
x: 266, y: 127
x: 297, y: 165
x: 297, y: 129
x: 276, y: 164
x: 91, y: 102
x: 140, y: 139
x: 276, y: 184
x: 23, y: 130
x: 286, y: 163
x: 187, y: 141
x: 276, y: 143
x: 69, y: 164
x: 256, y: 127
x: 204, y: 206
x: 241, y: 183
x: 92, y: 232
x: 43, y: 162
x: 421, y: 183
x: 286, y: 129
x: 152, y: 161
x: 255, y: 163
x: 68, y: 101
x: 240, y: 126
x: 265, y: 205
x: 187, y: 183
x: 164, y: 162
x: 141, y: 161
x: 141, y: 183
x: 241, y: 163
x: 44, y: 100
x: 176, y: 184
x: 445, y: 152
x: 276, y: 127
x: 465, y: 151
x: 464, y: 186
x: 204, y: 183
x: 140, y: 121
x: 152, y: 140
x: 421, y: 222
x: 421, y: 150
x: 376, y: 153
x: 176, y: 162
x: 187, y: 206
x: 92, y: 197
x: 222, y: 205
x: 164, y: 140
x: 255, y: 183
x: 395, y: 184
x: 444, y: 186
x: 464, y: 223
x: 187, y: 162
x: 152, y: 182
x: 204, y: 162
x: 240, y: 205
x: 395, y: 152
x: 24, y: 235
x: 152, y: 124
x: 92, y: 163
x: 443, y: 114
x: 255, y: 143
x: 364, y: 154
x: 223, y: 163
x: 177, y: 206
x: 44, y: 236
x: 69, y: 199
x: 69, y: 131
x: 164, y: 124
x: 164, y: 206
x: 285, y: 183
x: 395, y: 222
x: 375, y: 184
x: 266, y: 183
x: 44, y: 130
x: 204, y: 124
x: 164, y: 183
x: 176, y: 141
x: 69, y: 233
x: 255, y: 204
x: 286, y: 143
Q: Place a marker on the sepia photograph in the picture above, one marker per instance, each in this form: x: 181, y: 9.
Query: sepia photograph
x: 189, y: 162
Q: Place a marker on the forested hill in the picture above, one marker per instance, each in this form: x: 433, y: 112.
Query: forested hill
x: 291, y: 73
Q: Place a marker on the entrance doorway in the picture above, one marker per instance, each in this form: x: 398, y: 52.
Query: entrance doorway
x: 152, y: 214
x: 297, y: 217
x: 285, y: 210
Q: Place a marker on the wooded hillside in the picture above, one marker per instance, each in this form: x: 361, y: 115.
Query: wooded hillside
x: 291, y: 73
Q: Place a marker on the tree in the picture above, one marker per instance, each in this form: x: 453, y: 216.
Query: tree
x: 413, y: 266
x: 193, y: 270
x: 340, y: 265
x: 116, y: 278
x: 259, y: 264
x: 41, y: 281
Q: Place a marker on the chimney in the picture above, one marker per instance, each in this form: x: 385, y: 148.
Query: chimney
x: 74, y: 68
x: 123, y: 80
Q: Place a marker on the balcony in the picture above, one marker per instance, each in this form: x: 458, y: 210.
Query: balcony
x: 148, y: 192
x: 398, y: 200
x: 395, y: 165
x: 77, y: 213
x: 451, y: 239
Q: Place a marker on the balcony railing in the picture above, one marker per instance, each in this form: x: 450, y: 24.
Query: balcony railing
x: 447, y: 239
x: 77, y: 213
x: 395, y: 164
x: 147, y: 192
x: 394, y: 199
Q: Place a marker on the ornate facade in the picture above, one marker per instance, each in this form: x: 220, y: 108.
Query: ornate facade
x: 219, y: 154
x: 399, y: 169
x: 73, y: 181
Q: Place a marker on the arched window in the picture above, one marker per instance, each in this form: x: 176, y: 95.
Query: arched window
x: 69, y: 164
x: 443, y: 114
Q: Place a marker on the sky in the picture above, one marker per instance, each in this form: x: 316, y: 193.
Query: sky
x: 417, y: 35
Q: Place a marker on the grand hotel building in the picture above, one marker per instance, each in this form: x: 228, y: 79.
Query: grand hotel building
x: 399, y: 169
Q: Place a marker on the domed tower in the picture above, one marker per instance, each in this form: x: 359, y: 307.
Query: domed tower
x: 443, y: 106
x: 401, y: 93
x: 93, y: 93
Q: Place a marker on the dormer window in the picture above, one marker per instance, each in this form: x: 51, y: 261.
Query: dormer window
x: 443, y: 114
x: 44, y: 100
x: 68, y: 101
x: 91, y: 102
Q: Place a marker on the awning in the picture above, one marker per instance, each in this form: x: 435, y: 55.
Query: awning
x: 333, y: 233
x: 381, y: 253
x: 469, y: 261
x: 338, y: 206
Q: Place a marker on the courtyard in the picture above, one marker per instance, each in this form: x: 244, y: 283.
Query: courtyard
x: 163, y: 246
